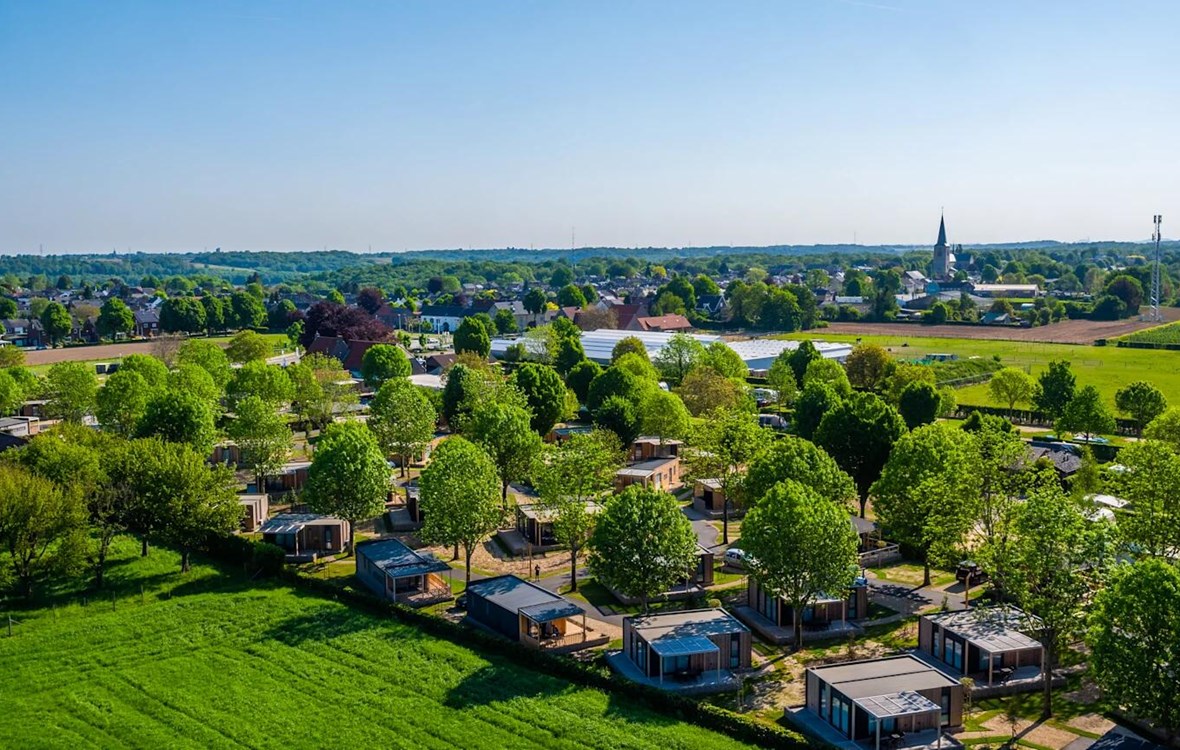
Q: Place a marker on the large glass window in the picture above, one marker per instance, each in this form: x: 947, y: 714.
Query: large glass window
x: 735, y: 651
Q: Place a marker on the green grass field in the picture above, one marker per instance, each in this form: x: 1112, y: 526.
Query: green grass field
x: 1106, y: 367
x: 1165, y: 334
x: 209, y: 660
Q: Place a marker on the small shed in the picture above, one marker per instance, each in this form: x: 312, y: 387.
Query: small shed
x: 255, y: 509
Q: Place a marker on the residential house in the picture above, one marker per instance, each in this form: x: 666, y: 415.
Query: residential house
x: 625, y: 315
x: 306, y: 536
x: 865, y: 700
x: 147, y: 322
x: 711, y: 304
x: 350, y: 352
x: 395, y: 572
x: 1065, y: 458
x: 701, y: 647
x: 648, y: 447
x: 255, y: 509
x: 443, y: 318
x: 985, y: 643
x: 563, y: 433
x: 661, y: 474
x: 24, y: 332
x: 526, y: 613
x: 662, y: 323
x: 397, y: 317
x: 22, y: 427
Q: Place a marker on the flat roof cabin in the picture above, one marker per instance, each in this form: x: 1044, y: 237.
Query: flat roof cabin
x: 682, y: 646
x: 526, y: 613
x: 255, y: 509
x: 661, y: 474
x: 395, y: 572
x: 862, y: 700
x: 983, y: 643
x: 306, y: 535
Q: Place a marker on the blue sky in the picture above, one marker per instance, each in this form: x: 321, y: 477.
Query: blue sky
x: 428, y: 124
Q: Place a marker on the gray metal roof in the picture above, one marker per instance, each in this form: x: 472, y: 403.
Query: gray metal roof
x: 993, y: 629
x: 894, y: 674
x: 398, y: 560
x: 905, y: 703
x: 686, y: 646
x: 289, y: 523
x: 695, y: 622
x: 518, y: 595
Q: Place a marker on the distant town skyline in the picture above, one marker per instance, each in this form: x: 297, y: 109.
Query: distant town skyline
x: 410, y: 126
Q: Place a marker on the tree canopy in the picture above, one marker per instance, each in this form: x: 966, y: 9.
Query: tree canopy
x: 859, y: 433
x: 459, y: 497
x: 348, y: 476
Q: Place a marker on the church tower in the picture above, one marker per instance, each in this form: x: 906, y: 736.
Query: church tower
x: 941, y: 267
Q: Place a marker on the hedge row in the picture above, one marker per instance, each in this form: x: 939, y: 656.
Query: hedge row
x: 240, y: 551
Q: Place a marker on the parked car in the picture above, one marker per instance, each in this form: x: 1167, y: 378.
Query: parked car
x: 970, y: 574
x: 735, y: 557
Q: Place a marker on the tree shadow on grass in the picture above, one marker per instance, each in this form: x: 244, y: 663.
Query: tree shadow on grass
x: 326, y: 622
x: 498, y: 681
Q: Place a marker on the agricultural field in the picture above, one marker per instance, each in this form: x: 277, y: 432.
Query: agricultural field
x: 1061, y: 332
x: 1106, y: 367
x: 40, y: 360
x: 1165, y: 334
x: 210, y: 660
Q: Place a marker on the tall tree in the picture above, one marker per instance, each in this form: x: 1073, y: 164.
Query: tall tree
x: 816, y: 400
x: 704, y: 390
x: 459, y: 494
x: 678, y: 357
x: 664, y: 415
x: 868, y: 367
x: 320, y: 388
x: 1055, y: 389
x: 198, y: 499
x: 1010, y: 386
x: 472, y: 336
x: 209, y: 357
x: 72, y: 389
x: 56, y: 322
x: 580, y: 378
x: 800, y: 358
x: 121, y: 402
x: 618, y: 415
x: 1141, y: 401
x: 800, y: 545
x: 1086, y: 413
x: 248, y: 346
x: 919, y: 404
x: 179, y: 417
x: 1056, y: 560
x: 781, y: 378
x: 859, y: 433
x: 722, y: 447
x: 403, y: 419
x: 724, y: 360
x: 153, y: 371
x: 115, y: 318
x: 928, y: 494
x: 263, y: 437
x: 382, y: 362
x: 832, y: 373
x: 569, y: 476
x: 41, y: 526
x: 269, y: 382
x: 1134, y: 641
x: 504, y: 432
x: 628, y: 345
x: 796, y: 459
x: 246, y: 310
x: 544, y: 392
x: 1150, y: 484
x: 642, y: 544
x: 349, y: 477
x: 195, y: 380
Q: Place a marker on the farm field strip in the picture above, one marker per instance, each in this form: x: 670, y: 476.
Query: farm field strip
x: 270, y: 667
x: 1106, y: 367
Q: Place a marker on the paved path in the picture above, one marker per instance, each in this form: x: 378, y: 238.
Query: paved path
x: 909, y: 600
x: 707, y: 534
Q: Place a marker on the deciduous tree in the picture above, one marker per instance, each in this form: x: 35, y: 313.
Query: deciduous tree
x: 383, y: 362
x: 403, y: 420
x: 248, y: 346
x: 115, y: 318
x: 1141, y: 401
x: 1010, y: 386
x: 72, y: 389
x: 678, y: 357
x: 41, y: 525
x: 121, y: 402
x: 471, y: 336
x: 504, y: 432
x: 868, y: 366
x: 799, y: 460
x: 179, y: 417
x: 1086, y: 413
x: 1055, y: 389
x: 642, y: 544
x: 263, y: 437
x: 544, y: 392
x: 209, y: 357
x: 800, y: 546
x: 664, y: 415
x: 860, y: 433
x: 705, y: 390
x: 349, y: 477
x: 1134, y: 641
x: 723, y: 446
x: 459, y: 498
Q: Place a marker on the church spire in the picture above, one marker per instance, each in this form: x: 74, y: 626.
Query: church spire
x: 941, y: 232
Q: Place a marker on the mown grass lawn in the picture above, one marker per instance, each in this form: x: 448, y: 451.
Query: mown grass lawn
x: 1108, y: 368
x: 211, y: 660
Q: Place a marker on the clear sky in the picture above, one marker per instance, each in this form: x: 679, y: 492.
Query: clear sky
x: 432, y: 124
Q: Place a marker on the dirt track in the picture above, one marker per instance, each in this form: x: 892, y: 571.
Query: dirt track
x: 87, y: 353
x: 1065, y: 332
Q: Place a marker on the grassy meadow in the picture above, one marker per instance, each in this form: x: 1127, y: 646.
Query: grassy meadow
x: 1106, y: 367
x: 209, y: 660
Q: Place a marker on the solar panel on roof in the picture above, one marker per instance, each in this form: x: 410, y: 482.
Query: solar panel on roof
x: 683, y: 646
x: 905, y: 703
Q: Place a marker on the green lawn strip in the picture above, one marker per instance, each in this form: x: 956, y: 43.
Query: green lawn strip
x: 1108, y: 368
x: 179, y: 670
